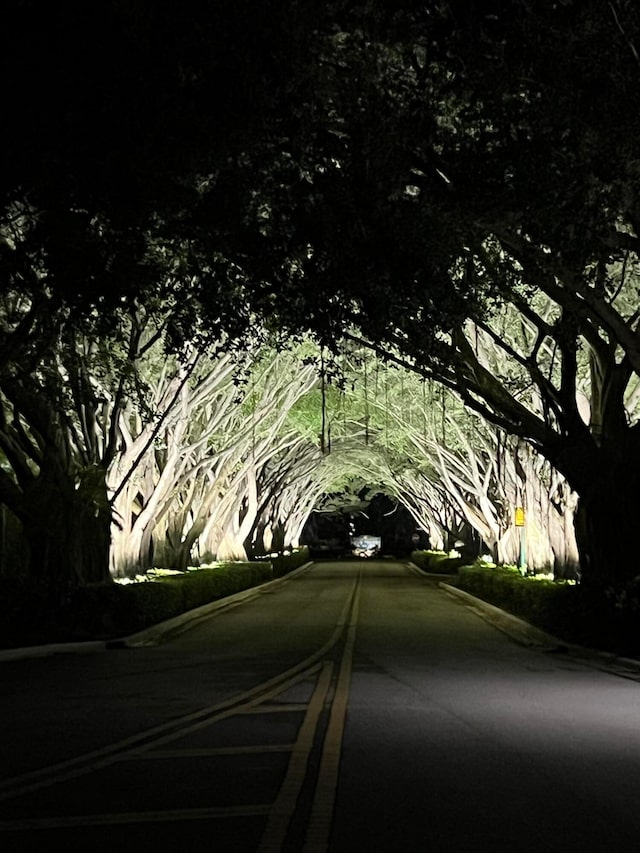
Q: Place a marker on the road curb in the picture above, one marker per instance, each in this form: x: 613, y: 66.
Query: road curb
x: 152, y: 635
x: 519, y: 630
x: 525, y: 634
x: 528, y: 635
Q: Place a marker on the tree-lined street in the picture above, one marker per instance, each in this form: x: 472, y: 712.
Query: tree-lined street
x: 265, y: 264
x: 448, y: 189
x: 356, y: 705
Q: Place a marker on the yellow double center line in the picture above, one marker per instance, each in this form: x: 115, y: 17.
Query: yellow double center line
x: 319, y: 828
x: 280, y: 813
x: 320, y: 821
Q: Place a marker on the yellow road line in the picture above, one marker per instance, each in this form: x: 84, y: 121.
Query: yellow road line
x: 319, y: 826
x: 97, y: 759
x: 284, y: 806
x: 210, y: 751
x: 276, y: 709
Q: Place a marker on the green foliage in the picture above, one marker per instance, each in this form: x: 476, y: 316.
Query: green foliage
x: 285, y: 563
x: 432, y: 162
x: 37, y: 613
x: 505, y: 587
x: 195, y: 588
x: 595, y: 618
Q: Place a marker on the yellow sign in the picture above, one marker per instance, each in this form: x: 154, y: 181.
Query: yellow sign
x: 519, y: 516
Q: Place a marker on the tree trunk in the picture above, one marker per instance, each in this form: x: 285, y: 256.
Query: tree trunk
x: 254, y: 543
x: 278, y: 538
x: 67, y: 524
x: 606, y: 518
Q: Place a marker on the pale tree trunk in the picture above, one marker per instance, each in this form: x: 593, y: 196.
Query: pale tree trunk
x: 289, y: 489
x: 59, y: 494
x: 483, y: 481
x: 211, y: 501
x: 418, y: 493
x: 157, y: 493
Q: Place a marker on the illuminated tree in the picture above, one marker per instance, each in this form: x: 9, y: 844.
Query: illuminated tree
x: 198, y: 487
x: 152, y: 478
x: 262, y: 460
x: 456, y: 472
x: 453, y: 163
x: 123, y: 124
x: 407, y: 174
x: 60, y: 412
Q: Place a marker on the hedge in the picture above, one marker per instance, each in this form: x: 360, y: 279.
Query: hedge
x: 36, y: 613
x: 285, y: 563
x: 574, y: 613
x: 438, y: 562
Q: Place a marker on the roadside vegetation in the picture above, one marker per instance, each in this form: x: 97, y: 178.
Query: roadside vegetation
x: 37, y: 613
x: 602, y: 619
x: 261, y: 260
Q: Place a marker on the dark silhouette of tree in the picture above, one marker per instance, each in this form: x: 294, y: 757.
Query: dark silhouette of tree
x: 460, y: 160
x: 407, y: 173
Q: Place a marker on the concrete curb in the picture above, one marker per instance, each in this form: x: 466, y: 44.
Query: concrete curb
x: 153, y: 635
x: 519, y: 630
x: 528, y: 635
x: 51, y: 649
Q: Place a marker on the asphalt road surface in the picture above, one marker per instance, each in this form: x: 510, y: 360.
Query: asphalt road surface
x: 356, y: 706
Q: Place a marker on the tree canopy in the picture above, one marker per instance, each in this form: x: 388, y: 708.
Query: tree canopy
x: 452, y: 184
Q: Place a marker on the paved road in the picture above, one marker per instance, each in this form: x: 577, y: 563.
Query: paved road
x: 355, y: 707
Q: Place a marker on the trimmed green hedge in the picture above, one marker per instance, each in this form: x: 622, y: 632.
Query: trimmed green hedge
x: 574, y: 613
x: 536, y: 600
x: 438, y: 562
x: 35, y: 613
x: 285, y: 563
x: 196, y: 587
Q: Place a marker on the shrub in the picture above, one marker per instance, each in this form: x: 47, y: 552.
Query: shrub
x: 574, y: 613
x: 438, y: 562
x: 30, y: 609
x: 505, y: 587
x: 196, y: 587
x: 285, y: 563
x: 36, y: 613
